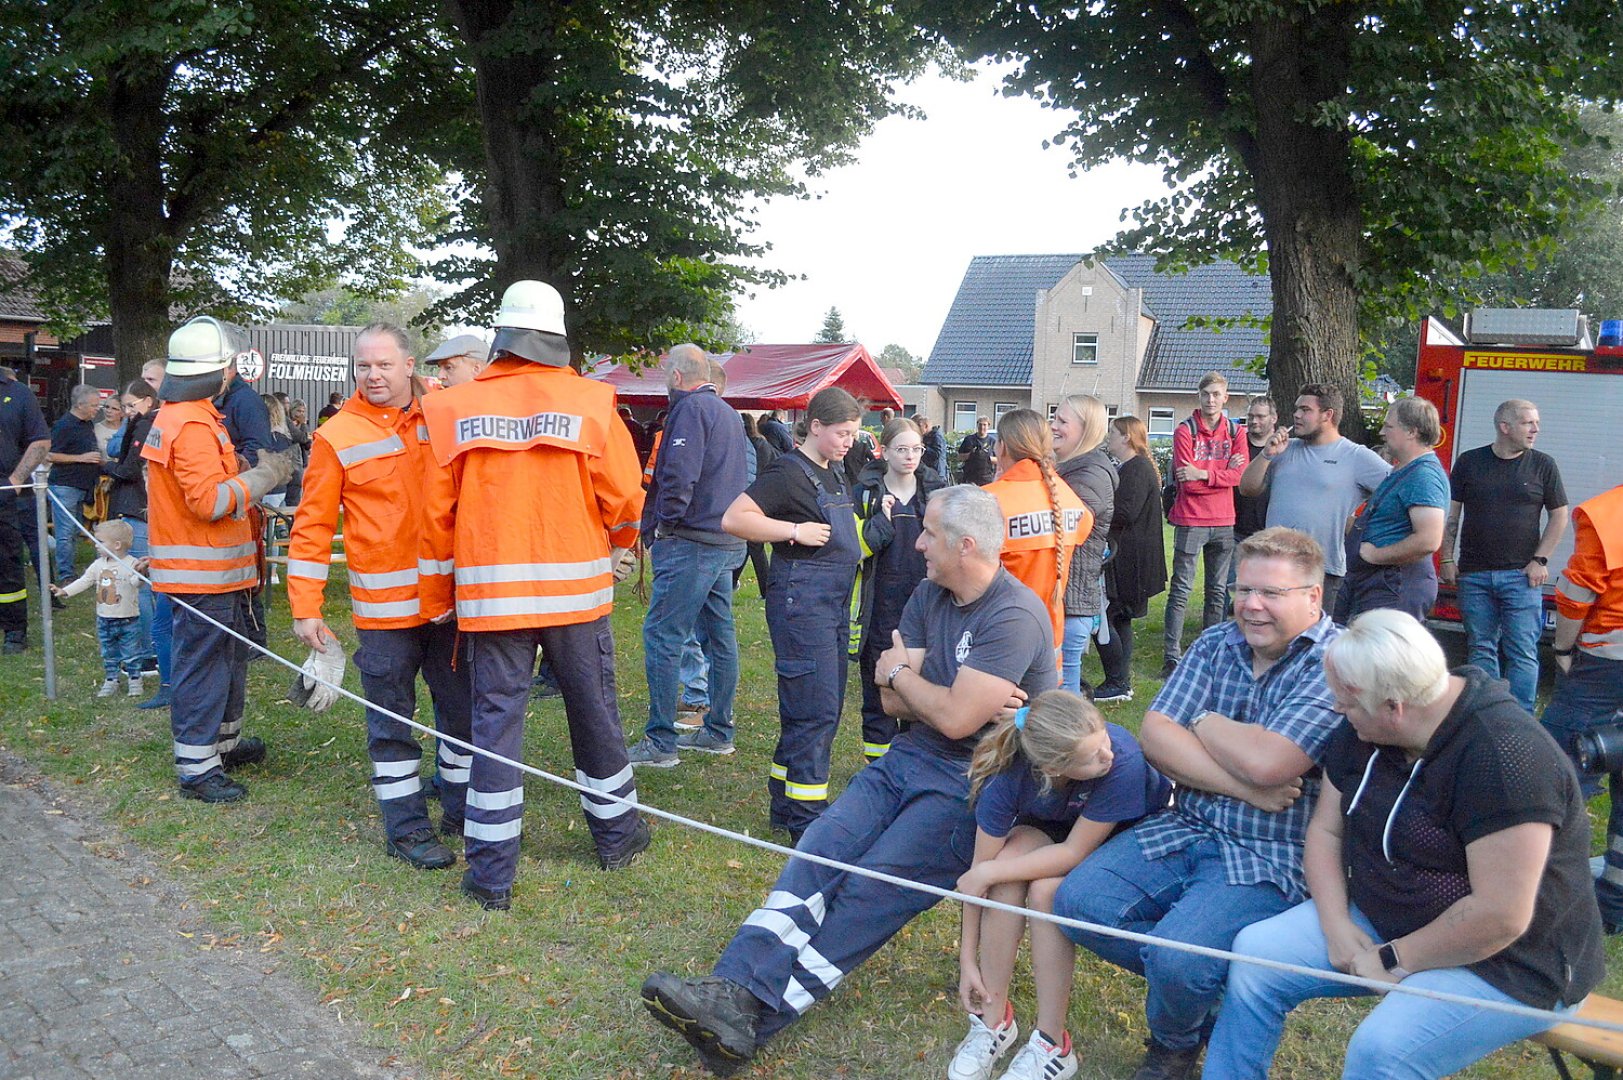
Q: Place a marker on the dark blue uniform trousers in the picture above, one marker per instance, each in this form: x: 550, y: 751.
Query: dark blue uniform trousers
x: 389, y: 661
x: 500, y: 663
x: 13, y: 573
x: 210, y: 678
x: 906, y: 814
x: 808, y: 613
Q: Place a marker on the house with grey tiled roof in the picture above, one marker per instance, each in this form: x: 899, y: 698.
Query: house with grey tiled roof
x: 1026, y: 330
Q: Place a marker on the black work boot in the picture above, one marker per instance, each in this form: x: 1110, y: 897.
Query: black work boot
x: 716, y: 1016
x: 1164, y: 1063
x: 246, y: 752
x: 16, y: 642
x: 215, y: 788
x: 628, y: 854
x: 489, y: 899
x: 421, y: 848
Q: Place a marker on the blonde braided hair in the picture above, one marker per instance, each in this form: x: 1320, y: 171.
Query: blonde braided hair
x: 1026, y: 437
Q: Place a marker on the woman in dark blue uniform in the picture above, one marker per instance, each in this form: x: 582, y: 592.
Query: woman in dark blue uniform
x: 803, y: 507
x: 891, y: 494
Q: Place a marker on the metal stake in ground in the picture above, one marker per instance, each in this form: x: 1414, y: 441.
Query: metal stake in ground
x: 44, y: 563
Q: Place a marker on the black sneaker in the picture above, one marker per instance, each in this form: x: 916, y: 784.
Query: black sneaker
x: 716, y: 1016
x: 628, y: 854
x: 1163, y: 1063
x: 215, y: 788
x: 1113, y: 692
x: 489, y: 899
x: 246, y: 752
x: 421, y: 849
x: 1169, y: 667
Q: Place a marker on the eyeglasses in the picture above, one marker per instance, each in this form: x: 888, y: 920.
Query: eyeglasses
x: 905, y: 451
x: 1242, y: 593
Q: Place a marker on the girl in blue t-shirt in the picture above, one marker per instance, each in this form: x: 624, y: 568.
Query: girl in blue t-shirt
x: 1050, y: 784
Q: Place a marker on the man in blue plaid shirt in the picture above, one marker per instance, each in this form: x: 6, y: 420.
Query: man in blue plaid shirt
x: 1238, y: 727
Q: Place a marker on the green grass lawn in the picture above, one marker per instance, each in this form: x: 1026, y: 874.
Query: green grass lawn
x: 298, y: 875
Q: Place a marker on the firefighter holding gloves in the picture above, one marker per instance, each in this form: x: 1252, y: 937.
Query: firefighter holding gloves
x: 204, y: 551
x: 529, y: 525
x: 372, y: 459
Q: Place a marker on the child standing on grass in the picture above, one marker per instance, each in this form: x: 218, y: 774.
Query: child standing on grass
x: 1050, y: 784
x: 118, y: 608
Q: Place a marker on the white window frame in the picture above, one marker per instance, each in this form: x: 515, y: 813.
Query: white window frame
x: 1084, y: 348
x: 1162, y: 415
x: 1001, y: 407
x: 1111, y: 411
x: 959, y: 409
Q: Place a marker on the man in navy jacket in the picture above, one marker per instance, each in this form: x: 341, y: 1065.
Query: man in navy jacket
x: 700, y: 470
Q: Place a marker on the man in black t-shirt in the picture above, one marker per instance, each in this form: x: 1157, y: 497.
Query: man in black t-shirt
x: 1449, y: 851
x: 972, y: 638
x: 75, y: 459
x: 977, y: 454
x: 1503, y: 490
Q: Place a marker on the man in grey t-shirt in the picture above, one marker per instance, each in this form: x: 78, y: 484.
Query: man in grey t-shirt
x: 1316, y: 480
x: 972, y: 637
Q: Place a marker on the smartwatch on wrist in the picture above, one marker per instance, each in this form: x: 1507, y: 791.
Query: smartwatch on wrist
x: 1389, y: 961
x: 1541, y: 560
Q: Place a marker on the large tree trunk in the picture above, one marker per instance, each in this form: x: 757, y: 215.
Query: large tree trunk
x: 140, y: 252
x: 1311, y: 216
x: 524, y: 196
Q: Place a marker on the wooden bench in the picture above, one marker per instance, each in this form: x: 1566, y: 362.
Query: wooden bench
x: 1601, y: 1050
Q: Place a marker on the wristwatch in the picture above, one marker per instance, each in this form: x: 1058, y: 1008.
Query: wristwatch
x: 1389, y: 961
x: 1195, y: 723
x: 1541, y: 560
x: 890, y: 680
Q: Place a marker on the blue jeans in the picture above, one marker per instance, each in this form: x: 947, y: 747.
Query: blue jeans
x: 1216, y: 545
x: 692, y: 595
x: 120, y: 646
x: 67, y: 534
x: 1587, y: 697
x: 1504, y: 617
x: 1184, y: 896
x: 1078, y: 629
x: 694, y: 673
x: 1403, y: 1038
x: 148, y: 599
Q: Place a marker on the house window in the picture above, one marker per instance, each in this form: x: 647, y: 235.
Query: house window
x: 1001, y: 407
x: 1084, y: 348
x: 1052, y: 409
x: 964, y: 414
x: 1111, y: 411
x: 1162, y: 422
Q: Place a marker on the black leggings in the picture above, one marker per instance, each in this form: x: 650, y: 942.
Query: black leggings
x: 1117, y: 654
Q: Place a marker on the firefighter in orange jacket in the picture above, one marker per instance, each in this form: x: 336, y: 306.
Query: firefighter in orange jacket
x: 204, y: 553
x: 1033, y: 498
x: 538, y: 509
x: 1589, y: 693
x: 371, y: 459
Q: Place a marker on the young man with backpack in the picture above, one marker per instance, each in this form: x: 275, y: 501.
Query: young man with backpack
x: 1209, y: 453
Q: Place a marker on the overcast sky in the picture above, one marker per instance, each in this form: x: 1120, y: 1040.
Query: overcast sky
x: 891, y: 235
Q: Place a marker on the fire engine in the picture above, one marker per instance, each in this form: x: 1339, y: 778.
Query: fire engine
x: 1543, y: 356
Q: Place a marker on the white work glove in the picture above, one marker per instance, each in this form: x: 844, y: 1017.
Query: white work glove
x: 315, y: 696
x: 272, y: 472
x: 621, y: 562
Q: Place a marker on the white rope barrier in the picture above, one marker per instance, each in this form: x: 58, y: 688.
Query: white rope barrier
x: 632, y: 803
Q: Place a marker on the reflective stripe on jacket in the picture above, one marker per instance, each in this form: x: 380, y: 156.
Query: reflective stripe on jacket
x: 197, y: 508
x: 371, y: 462
x: 1591, y: 587
x: 1029, y: 538
x: 542, y: 481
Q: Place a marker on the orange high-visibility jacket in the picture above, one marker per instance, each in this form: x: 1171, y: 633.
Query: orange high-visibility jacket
x: 1591, y: 587
x: 542, y: 481
x: 1029, y: 538
x: 371, y: 462
x: 653, y: 456
x: 197, y: 508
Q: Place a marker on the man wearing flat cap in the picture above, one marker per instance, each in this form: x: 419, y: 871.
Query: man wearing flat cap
x: 459, y: 359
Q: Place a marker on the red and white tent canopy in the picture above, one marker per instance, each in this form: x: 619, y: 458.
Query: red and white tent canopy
x: 769, y: 377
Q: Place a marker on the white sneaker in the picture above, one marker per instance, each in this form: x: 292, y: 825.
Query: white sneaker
x: 1041, y: 1060
x: 977, y: 1055
x: 135, y: 686
x: 109, y: 687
